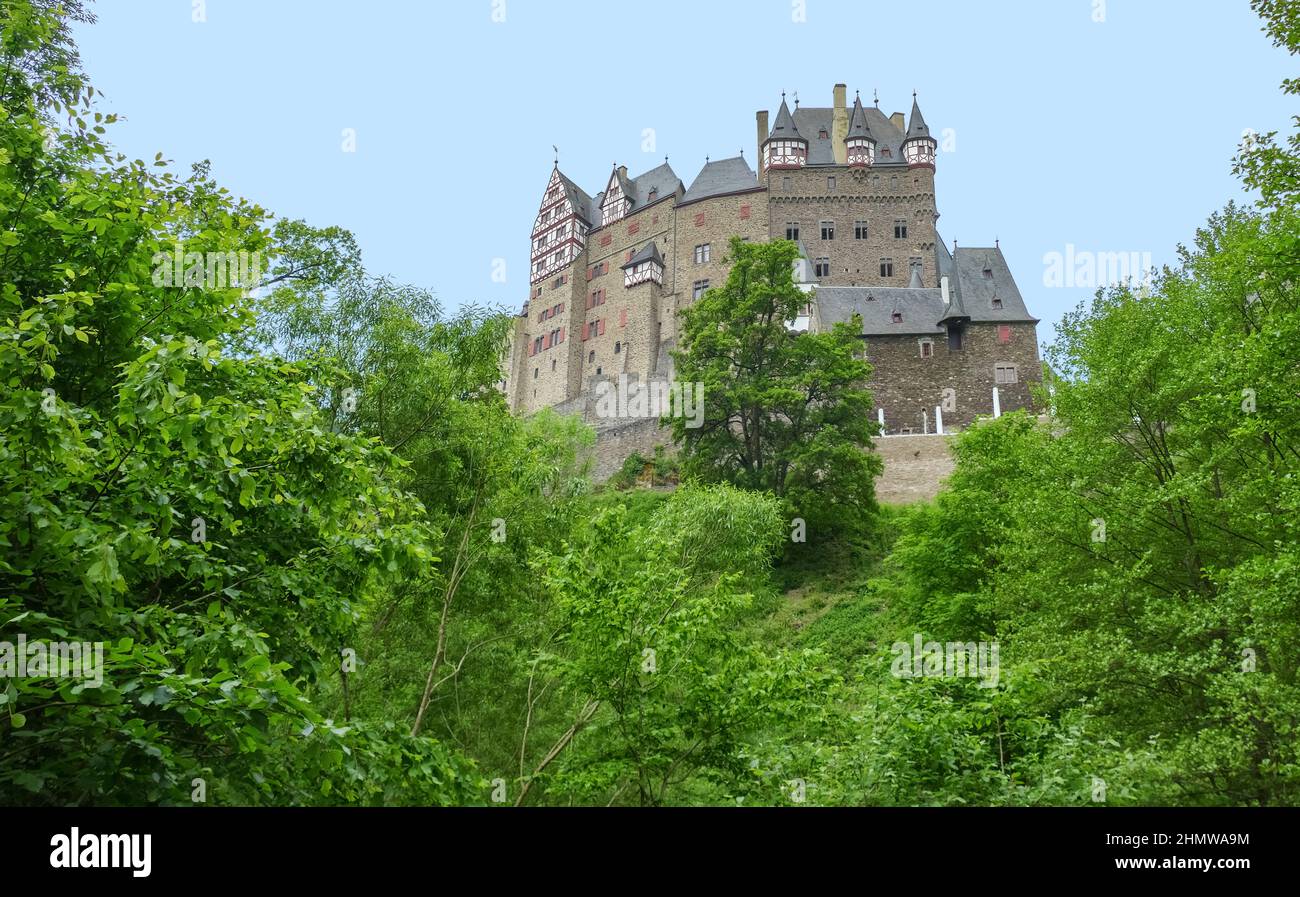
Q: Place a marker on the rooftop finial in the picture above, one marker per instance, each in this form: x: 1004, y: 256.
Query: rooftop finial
x: 996, y: 245
x: 796, y: 99
x: 706, y: 160
x: 783, y: 96
x: 557, y: 155
x: 876, y: 94
x: 954, y: 244
x: 913, y: 93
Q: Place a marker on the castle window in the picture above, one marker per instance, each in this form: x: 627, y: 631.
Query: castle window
x: 597, y: 372
x: 859, y: 230
x: 822, y: 267
x: 561, y: 280
x: 698, y: 288
x: 996, y: 302
x: 591, y: 356
x: 699, y: 220
x: 618, y: 347
x: 606, y: 239
x: 744, y: 212
x: 702, y: 253
x: 552, y: 364
x: 633, y: 228
x: 927, y: 348
x: 886, y: 267
x: 1004, y: 333
x: 785, y: 184
x: 900, y: 229
x: 830, y: 182
x: 1005, y: 373
x: 792, y: 230
x: 828, y: 230
x: 535, y: 370
x: 537, y: 344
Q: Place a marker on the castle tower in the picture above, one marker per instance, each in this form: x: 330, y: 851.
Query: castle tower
x: 560, y: 229
x: 859, y: 143
x: 919, y: 147
x: 784, y: 147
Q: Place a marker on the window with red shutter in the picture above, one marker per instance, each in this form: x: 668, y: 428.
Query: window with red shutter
x: 633, y: 228
x: 606, y: 239
x: 744, y: 212
x: 561, y: 339
x: 699, y: 219
x: 601, y: 332
x: 585, y: 334
x: 590, y: 273
x: 622, y: 317
x: 1004, y: 334
x: 628, y: 257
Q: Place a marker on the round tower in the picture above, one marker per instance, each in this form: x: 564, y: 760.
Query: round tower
x: 784, y: 147
x: 861, y: 146
x: 918, y: 147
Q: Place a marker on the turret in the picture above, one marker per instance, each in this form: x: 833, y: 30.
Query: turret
x: 860, y: 145
x: 784, y: 147
x: 918, y: 147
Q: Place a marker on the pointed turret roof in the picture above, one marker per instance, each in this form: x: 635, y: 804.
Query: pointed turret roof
x: 784, y: 126
x: 858, y: 126
x: 915, y: 282
x: 649, y: 253
x: 916, y: 126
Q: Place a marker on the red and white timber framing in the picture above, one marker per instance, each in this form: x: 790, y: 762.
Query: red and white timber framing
x: 558, y: 233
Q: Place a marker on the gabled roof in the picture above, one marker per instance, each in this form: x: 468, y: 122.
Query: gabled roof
x: 721, y: 177
x: 917, y: 127
x: 578, y: 198
x: 623, y: 183
x: 661, y: 181
x: 978, y: 289
x: 648, y: 253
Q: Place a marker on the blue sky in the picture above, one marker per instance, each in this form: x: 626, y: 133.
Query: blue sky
x: 1112, y: 136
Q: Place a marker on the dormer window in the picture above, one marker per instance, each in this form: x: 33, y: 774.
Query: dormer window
x: 654, y: 192
x: 896, y: 317
x: 822, y: 135
x: 988, y: 272
x: 996, y: 302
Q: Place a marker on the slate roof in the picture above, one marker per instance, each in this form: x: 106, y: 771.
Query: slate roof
x: 811, y: 121
x: 721, y: 177
x: 917, y: 127
x: 971, y: 294
x: 785, y: 125
x: 920, y: 309
x: 579, y: 199
x: 858, y: 126
x: 978, y: 289
x: 648, y: 253
x: 661, y: 178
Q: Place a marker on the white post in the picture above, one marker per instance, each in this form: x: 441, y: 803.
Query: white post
x: 938, y: 420
x: 943, y: 286
x: 925, y: 422
x: 997, y: 406
x: 880, y: 416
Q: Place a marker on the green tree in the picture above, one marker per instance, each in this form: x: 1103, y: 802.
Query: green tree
x: 784, y: 412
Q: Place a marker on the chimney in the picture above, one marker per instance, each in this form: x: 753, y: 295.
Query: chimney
x: 622, y: 169
x: 840, y: 126
x: 761, y: 117
x: 899, y: 122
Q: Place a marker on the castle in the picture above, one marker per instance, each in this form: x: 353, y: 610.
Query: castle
x: 854, y: 189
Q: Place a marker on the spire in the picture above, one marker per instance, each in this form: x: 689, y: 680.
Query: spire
x: 859, y: 143
x: 858, y: 126
x: 784, y: 126
x: 916, y: 126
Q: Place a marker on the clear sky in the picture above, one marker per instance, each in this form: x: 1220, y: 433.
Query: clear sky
x: 1112, y: 136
